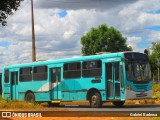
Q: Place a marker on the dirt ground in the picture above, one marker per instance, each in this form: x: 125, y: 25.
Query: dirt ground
x: 85, y: 118
x: 79, y: 117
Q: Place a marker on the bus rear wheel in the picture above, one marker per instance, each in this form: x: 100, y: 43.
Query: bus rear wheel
x: 95, y: 100
x: 30, y: 97
x: 118, y: 103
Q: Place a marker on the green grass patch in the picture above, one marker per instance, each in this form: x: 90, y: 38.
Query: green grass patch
x: 1, y: 99
x: 156, y: 91
x: 18, y: 105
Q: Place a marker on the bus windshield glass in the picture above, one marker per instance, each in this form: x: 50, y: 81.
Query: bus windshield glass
x: 137, y: 67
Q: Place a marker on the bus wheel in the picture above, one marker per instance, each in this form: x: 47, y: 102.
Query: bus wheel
x: 95, y: 100
x: 118, y: 103
x: 30, y: 97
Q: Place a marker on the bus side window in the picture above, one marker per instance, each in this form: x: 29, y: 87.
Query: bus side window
x: 56, y: 75
x: 6, y: 75
x: 59, y: 75
x: 53, y: 75
x: 121, y: 76
x: 40, y: 73
x: 26, y: 74
x: 72, y: 70
x: 117, y: 70
x: 92, y: 68
x: 109, y: 71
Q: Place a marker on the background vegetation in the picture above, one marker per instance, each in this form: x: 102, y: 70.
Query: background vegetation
x: 154, y: 55
x: 7, y: 7
x: 103, y: 39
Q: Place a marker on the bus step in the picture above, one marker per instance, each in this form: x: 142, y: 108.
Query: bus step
x: 55, y: 101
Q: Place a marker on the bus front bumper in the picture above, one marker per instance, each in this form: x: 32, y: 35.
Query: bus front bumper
x: 130, y: 95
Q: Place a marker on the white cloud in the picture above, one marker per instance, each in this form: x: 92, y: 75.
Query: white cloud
x: 154, y: 37
x: 133, y: 41
x: 81, y: 4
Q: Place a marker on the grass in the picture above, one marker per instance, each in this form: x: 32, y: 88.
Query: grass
x: 17, y: 105
x: 1, y: 99
x: 156, y: 91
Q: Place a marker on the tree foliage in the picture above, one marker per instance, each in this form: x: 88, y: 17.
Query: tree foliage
x: 154, y: 56
x: 6, y: 8
x: 103, y: 39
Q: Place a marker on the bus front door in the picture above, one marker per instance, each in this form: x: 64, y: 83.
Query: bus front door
x: 55, y: 84
x: 14, y: 85
x: 114, y: 81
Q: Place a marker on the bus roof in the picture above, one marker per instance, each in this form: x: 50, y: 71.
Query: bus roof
x: 91, y: 57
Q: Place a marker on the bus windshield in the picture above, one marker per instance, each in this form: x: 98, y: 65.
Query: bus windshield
x: 138, y: 71
x: 137, y: 67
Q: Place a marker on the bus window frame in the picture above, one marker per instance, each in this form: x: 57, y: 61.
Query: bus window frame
x: 91, y: 68
x: 46, y: 72
x: 20, y: 74
x: 6, y: 76
x: 67, y: 70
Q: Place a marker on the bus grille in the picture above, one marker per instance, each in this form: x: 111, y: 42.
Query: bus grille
x: 141, y: 95
x: 141, y: 88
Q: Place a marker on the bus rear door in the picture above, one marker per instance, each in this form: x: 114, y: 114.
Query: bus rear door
x: 14, y: 85
x: 10, y: 88
x: 55, y: 86
x: 114, y: 81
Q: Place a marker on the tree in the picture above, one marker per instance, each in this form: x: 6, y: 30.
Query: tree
x: 103, y: 39
x: 6, y: 8
x: 154, y: 56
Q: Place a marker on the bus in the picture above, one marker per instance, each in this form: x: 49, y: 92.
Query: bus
x: 0, y: 83
x: 113, y: 77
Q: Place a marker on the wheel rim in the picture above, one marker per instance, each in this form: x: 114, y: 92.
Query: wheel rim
x: 94, y: 100
x: 29, y: 98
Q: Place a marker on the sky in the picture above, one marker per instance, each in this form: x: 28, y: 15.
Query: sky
x: 60, y: 24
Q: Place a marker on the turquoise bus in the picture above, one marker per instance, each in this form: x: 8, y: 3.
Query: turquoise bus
x: 0, y: 83
x: 113, y: 77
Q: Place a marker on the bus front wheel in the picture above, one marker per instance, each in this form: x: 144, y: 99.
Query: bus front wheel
x: 30, y: 97
x: 95, y: 100
x: 118, y: 103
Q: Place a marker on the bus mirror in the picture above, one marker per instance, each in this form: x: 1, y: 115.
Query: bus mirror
x: 146, y: 51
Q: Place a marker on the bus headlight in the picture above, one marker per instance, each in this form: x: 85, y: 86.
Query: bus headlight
x: 129, y: 87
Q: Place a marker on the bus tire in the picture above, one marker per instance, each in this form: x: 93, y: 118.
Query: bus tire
x: 118, y: 103
x: 95, y: 100
x: 30, y: 97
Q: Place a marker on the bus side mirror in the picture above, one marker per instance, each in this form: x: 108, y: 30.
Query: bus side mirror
x: 146, y: 51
